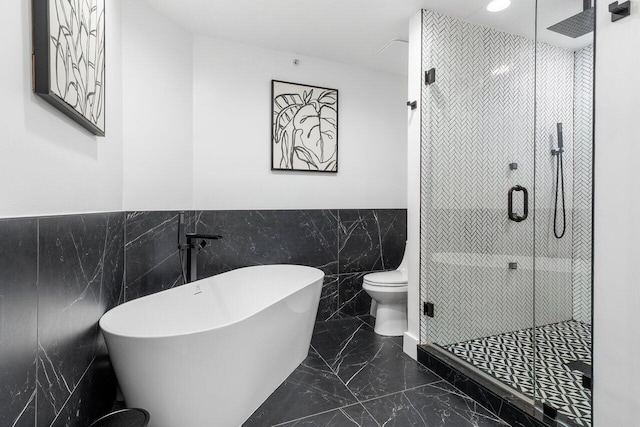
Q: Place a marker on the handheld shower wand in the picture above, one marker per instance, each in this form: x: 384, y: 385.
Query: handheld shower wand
x: 560, y: 139
x: 559, y: 186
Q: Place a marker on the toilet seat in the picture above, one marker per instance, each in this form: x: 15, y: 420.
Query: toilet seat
x: 396, y: 288
x: 394, y: 278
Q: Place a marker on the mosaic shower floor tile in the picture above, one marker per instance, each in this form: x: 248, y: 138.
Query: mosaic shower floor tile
x: 509, y: 358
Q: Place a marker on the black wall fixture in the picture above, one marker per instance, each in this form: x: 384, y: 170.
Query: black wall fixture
x: 430, y: 76
x: 428, y: 309
x: 619, y: 11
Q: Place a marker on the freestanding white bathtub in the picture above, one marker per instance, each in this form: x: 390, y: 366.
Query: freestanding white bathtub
x: 210, y: 352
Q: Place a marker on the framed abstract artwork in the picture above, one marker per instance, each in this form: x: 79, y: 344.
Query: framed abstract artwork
x: 304, y: 127
x: 69, y: 58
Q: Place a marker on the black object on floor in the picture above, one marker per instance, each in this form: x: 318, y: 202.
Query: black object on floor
x: 580, y: 365
x: 133, y: 417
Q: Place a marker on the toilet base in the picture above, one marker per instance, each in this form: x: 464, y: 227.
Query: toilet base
x: 391, y: 319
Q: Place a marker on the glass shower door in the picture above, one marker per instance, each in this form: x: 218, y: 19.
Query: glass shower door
x: 563, y: 202
x: 477, y: 183
x: 506, y: 198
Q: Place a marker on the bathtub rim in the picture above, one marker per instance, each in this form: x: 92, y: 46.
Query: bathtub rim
x: 225, y: 325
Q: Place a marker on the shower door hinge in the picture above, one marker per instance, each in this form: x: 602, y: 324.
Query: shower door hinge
x: 549, y: 411
x: 427, y: 309
x: 587, y: 382
x: 430, y: 76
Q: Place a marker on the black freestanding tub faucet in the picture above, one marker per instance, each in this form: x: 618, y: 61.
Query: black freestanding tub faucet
x: 192, y: 244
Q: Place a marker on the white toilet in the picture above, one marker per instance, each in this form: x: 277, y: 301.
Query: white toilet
x: 388, y: 291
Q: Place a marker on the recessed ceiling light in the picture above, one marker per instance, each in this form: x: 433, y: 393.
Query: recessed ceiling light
x: 498, y: 5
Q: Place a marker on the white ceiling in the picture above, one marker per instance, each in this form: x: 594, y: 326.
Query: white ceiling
x: 354, y: 31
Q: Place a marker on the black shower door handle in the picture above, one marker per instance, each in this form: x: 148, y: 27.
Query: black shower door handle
x: 513, y: 216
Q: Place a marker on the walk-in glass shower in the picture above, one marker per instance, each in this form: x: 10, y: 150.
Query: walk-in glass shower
x: 506, y: 197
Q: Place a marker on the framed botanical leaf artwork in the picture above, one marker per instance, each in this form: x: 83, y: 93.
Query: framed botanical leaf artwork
x: 304, y: 127
x: 69, y: 58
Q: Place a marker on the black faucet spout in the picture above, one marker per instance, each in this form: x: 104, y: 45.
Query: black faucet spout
x: 203, y: 236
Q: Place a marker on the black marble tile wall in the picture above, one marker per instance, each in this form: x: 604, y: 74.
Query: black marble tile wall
x: 329, y: 299
x: 58, y: 275
x: 352, y: 299
x: 346, y: 244
x: 92, y: 398
x: 81, y: 270
x: 307, y: 237
x: 371, y: 240
x: 151, y: 252
x: 18, y: 329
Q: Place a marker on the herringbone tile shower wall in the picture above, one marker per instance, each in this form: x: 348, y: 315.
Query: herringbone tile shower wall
x: 478, y: 117
x: 554, y: 104
x: 582, y: 183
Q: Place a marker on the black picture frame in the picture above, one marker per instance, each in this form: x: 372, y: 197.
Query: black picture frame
x: 84, y: 81
x: 319, y: 106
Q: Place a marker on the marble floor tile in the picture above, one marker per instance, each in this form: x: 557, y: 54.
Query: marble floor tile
x: 371, y: 321
x: 312, y: 388
x: 433, y: 405
x: 368, y: 319
x: 369, y: 364
x: 354, y: 377
x: 329, y: 338
x: 368, y: 374
x: 350, y: 416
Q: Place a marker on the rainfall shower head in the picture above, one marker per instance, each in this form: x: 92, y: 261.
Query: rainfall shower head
x: 577, y: 25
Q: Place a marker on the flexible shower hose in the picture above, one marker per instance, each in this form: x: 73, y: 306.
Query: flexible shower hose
x: 559, y: 186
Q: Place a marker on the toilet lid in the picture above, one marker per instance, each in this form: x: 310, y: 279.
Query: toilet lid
x: 387, y: 278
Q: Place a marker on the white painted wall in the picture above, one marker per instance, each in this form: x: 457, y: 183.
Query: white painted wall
x: 158, y: 94
x: 617, y: 222
x: 232, y: 127
x: 412, y: 336
x: 48, y: 163
x: 157, y: 109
